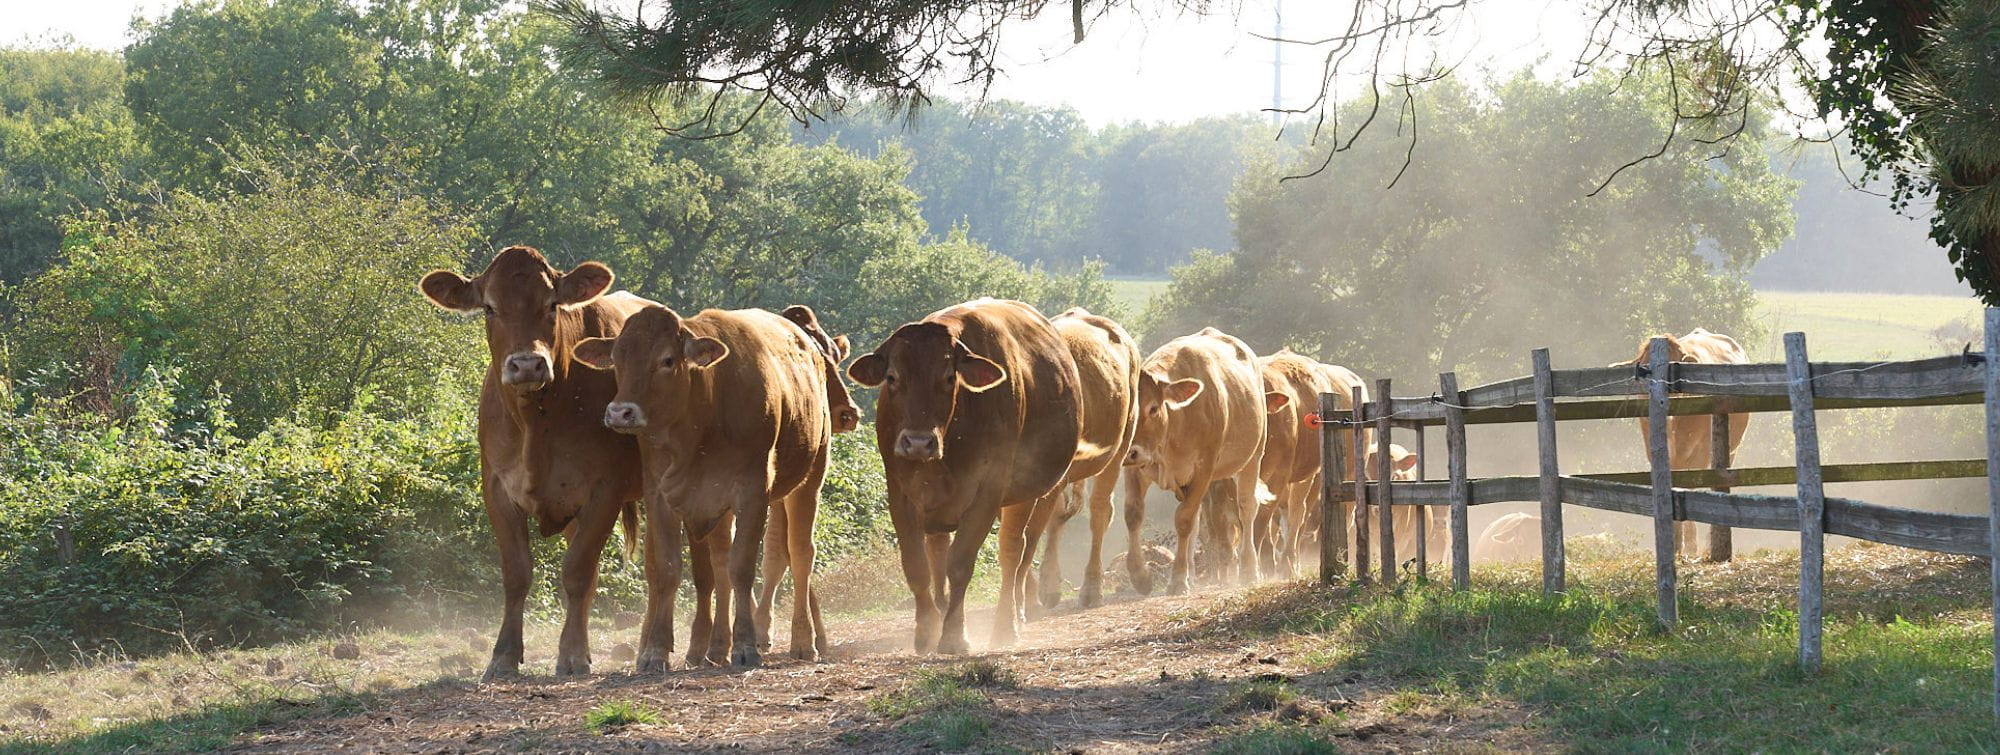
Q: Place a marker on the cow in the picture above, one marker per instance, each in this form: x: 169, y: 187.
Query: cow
x: 1688, y: 444
x: 978, y: 418
x: 1201, y: 420
x: 544, y: 457
x: 1409, y: 519
x: 1107, y: 363
x: 1512, y: 537
x: 731, y: 412
x: 1291, y: 463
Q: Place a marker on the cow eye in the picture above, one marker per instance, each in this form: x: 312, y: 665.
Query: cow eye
x: 889, y: 378
x: 667, y: 361
x: 488, y: 309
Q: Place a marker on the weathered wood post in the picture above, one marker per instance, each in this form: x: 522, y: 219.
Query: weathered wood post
x: 1383, y: 495
x: 1461, y: 493
x: 1665, y: 546
x: 1993, y: 483
x: 1720, y: 545
x: 1360, y: 459
x: 1553, y: 566
x: 1423, y: 518
x: 1332, y: 538
x: 1812, y: 502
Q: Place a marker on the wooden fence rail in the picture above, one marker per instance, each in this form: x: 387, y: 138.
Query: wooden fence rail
x: 1655, y: 391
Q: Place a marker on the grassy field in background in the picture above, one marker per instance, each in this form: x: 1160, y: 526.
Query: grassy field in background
x: 1135, y: 293
x: 1863, y: 326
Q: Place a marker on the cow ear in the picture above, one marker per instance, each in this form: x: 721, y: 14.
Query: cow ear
x: 869, y: 370
x: 840, y: 348
x: 705, y: 351
x: 1275, y: 402
x: 587, y: 282
x: 450, y: 291
x: 1405, y: 463
x: 593, y: 352
x: 979, y: 374
x: 1182, y: 392
x: 801, y: 314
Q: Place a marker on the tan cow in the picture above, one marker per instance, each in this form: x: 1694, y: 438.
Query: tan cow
x: 544, y: 457
x: 1512, y: 537
x: 1432, y: 519
x: 1291, y: 464
x: 730, y: 408
x: 1201, y: 420
x: 978, y: 419
x: 1688, y: 436
x: 1107, y: 363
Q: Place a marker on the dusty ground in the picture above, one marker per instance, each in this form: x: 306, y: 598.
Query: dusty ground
x: 1126, y: 676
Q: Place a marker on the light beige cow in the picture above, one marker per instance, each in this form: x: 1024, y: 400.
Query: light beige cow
x: 1688, y: 436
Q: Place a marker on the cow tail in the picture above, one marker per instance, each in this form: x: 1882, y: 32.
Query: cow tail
x: 629, y: 519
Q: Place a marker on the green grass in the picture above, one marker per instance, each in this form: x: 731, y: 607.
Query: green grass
x: 1276, y: 738
x: 1908, y: 658
x: 612, y: 715
x: 1133, y: 294
x: 946, y: 707
x: 1843, y: 326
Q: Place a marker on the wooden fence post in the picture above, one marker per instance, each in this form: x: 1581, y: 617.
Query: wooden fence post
x: 1993, y: 482
x: 1553, y: 567
x: 1720, y: 545
x: 1461, y: 493
x: 1665, y: 546
x: 1332, y: 539
x: 1812, y: 502
x: 1423, y: 518
x: 1360, y: 459
x: 1383, y: 465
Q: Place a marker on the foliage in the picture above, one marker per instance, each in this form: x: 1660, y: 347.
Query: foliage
x: 274, y: 295
x: 852, y: 519
x: 1488, y: 241
x: 615, y: 714
x: 65, y: 142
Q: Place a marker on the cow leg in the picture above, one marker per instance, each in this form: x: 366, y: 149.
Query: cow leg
x: 752, y: 511
x: 913, y: 544
x: 808, y: 633
x: 720, y: 544
x: 1684, y: 542
x: 1092, y: 594
x: 663, y: 585
x: 1039, y: 594
x: 702, y: 627
x: 1304, y: 494
x: 1247, y: 505
x: 820, y: 642
x: 590, y: 531
x: 1013, y: 556
x: 972, y: 529
x: 510, y: 530
x: 939, y: 544
x: 1185, y: 516
x: 1267, y: 530
x: 1135, y: 522
x: 777, y: 558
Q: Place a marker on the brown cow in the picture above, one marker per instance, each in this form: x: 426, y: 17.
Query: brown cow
x: 1107, y: 363
x: 730, y: 408
x: 978, y: 419
x: 1201, y: 420
x: 1290, y: 468
x: 543, y: 455
x: 1688, y: 436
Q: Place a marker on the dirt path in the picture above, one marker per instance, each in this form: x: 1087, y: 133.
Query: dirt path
x: 1126, y: 676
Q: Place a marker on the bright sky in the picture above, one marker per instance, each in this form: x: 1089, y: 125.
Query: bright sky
x: 1153, y: 66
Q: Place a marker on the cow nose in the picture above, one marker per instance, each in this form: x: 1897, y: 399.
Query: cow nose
x: 623, y: 415
x: 525, y: 370
x: 920, y: 445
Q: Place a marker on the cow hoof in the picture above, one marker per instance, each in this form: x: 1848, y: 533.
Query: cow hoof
x: 745, y: 656
x: 1090, y: 597
x: 1177, y: 587
x: 952, y: 646
x: 1142, y: 585
x: 808, y: 654
x: 572, y: 667
x: 500, y: 669
x: 650, y: 666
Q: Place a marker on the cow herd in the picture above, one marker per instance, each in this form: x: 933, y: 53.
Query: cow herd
x: 599, y: 407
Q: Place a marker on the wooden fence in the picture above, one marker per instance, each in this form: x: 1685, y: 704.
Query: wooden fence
x: 1655, y: 391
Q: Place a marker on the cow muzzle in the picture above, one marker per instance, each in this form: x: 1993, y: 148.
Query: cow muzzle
x: 624, y: 416
x: 919, y: 445
x: 1139, y: 457
x: 525, y: 371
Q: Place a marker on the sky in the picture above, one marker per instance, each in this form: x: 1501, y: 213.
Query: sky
x: 1157, y: 65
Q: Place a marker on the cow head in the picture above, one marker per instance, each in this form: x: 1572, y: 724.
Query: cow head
x: 1402, y: 463
x: 1675, y: 351
x: 846, y: 416
x: 921, y: 368
x: 531, y: 310
x: 656, y: 358
x: 1160, y: 396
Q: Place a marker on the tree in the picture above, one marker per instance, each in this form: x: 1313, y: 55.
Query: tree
x: 1488, y: 247
x: 66, y: 142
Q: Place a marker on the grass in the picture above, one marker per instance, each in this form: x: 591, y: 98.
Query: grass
x: 1842, y: 326
x: 1276, y: 738
x: 613, y: 715
x: 1908, y: 658
x: 945, y: 708
x: 1134, y: 294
